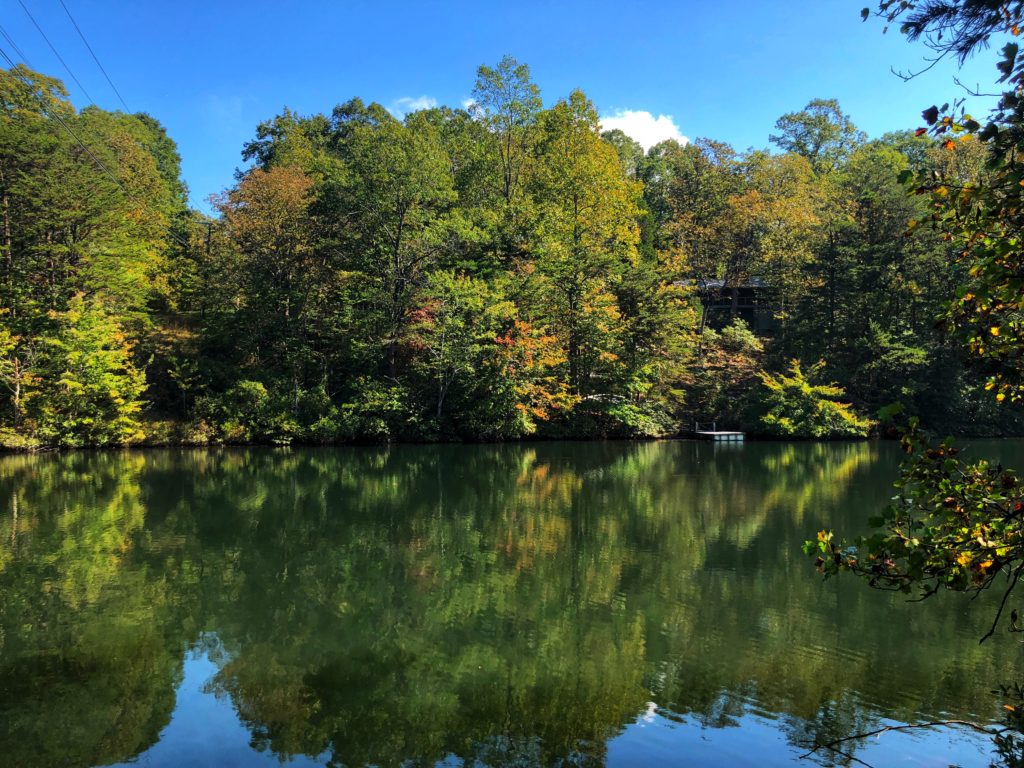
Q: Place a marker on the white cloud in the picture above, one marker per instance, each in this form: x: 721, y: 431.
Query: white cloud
x: 403, y: 106
x: 644, y: 127
x: 468, y: 103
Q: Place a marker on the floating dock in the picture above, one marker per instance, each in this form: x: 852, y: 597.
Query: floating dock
x: 719, y: 437
x: 715, y: 434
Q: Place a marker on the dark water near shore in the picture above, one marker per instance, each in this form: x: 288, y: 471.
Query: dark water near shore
x: 543, y: 604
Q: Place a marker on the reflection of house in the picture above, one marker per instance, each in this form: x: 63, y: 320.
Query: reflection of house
x: 749, y: 300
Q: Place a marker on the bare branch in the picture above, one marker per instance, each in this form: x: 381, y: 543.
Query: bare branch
x: 848, y: 755
x: 1002, y: 604
x: 974, y: 91
x: 908, y: 727
x: 911, y: 74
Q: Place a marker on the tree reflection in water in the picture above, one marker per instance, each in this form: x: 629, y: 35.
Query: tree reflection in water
x: 514, y: 605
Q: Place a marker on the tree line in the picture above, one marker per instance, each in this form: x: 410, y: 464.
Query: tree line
x: 495, y: 272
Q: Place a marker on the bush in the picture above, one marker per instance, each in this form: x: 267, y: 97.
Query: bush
x: 792, y: 406
x: 246, y: 413
x: 328, y: 429
x: 641, y: 420
x: 379, y: 413
x: 10, y: 440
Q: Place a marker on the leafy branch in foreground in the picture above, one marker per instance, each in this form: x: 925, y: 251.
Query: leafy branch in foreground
x: 982, y: 217
x: 954, y: 525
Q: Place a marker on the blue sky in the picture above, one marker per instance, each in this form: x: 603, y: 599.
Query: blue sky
x: 210, y: 71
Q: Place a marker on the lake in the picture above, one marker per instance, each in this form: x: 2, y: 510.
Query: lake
x: 572, y: 604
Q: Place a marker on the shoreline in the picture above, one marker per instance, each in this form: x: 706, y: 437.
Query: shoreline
x: 751, y: 438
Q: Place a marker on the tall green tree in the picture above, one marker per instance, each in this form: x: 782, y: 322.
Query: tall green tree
x: 281, y: 274
x: 89, y: 203
x: 396, y: 196
x: 91, y: 390
x: 507, y: 100
x: 821, y: 132
x: 586, y: 236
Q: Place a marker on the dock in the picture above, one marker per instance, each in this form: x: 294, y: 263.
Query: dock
x: 716, y: 435
x: 719, y: 437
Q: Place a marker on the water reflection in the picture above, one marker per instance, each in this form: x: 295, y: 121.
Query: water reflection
x: 539, y: 604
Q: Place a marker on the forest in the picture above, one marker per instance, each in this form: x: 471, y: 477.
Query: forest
x: 495, y: 272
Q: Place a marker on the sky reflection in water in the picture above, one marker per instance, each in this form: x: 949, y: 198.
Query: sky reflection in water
x: 576, y: 604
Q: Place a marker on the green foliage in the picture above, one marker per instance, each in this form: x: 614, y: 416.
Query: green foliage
x: 820, y: 132
x: 507, y: 101
x: 95, y: 397
x: 14, y: 440
x: 726, y: 373
x: 640, y: 419
x: 484, y: 273
x: 457, y: 352
x: 245, y: 408
x: 82, y: 262
x: 957, y: 524
x: 795, y: 407
x: 980, y: 212
x: 379, y: 413
x: 630, y: 153
x: 953, y: 526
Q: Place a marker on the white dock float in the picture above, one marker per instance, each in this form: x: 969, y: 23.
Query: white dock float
x: 719, y: 437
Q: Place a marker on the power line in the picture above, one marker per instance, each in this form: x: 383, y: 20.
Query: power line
x: 55, y: 52
x: 84, y: 146
x: 13, y: 44
x: 54, y: 116
x: 102, y: 166
x: 4, y: 54
x: 59, y: 119
x: 94, y: 57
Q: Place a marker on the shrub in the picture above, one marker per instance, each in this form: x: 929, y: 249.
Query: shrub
x: 794, y: 407
x: 379, y: 413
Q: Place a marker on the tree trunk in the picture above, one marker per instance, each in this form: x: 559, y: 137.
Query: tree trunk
x: 8, y: 239
x: 831, y: 303
x: 17, y: 391
x: 442, y: 390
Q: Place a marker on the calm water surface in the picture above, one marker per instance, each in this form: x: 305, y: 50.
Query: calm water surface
x: 569, y: 604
